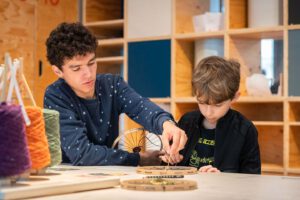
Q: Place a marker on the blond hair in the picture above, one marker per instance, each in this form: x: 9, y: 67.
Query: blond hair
x: 216, y: 79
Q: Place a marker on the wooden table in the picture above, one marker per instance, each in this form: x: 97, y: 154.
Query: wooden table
x: 210, y: 186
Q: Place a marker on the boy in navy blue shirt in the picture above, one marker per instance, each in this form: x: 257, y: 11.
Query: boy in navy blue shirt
x: 90, y: 105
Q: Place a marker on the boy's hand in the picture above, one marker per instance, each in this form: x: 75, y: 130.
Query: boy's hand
x: 209, y: 169
x: 172, y: 133
x: 149, y: 158
x: 172, y: 159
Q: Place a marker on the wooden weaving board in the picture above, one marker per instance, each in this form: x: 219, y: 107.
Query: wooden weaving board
x: 166, y: 170
x: 60, y: 181
x: 159, y: 185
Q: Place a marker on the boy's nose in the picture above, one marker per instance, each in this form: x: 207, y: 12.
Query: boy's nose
x: 87, y: 72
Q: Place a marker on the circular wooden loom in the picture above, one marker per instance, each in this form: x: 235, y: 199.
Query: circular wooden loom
x: 138, y: 140
x: 159, y: 184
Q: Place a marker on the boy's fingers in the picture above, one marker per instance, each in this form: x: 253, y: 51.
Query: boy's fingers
x: 176, y: 140
x: 166, y: 144
x: 205, y: 168
x: 183, y: 139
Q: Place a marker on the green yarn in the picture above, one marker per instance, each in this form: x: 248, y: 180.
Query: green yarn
x: 51, y: 118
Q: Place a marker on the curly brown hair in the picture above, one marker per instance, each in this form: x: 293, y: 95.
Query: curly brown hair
x: 68, y: 40
x: 216, y: 79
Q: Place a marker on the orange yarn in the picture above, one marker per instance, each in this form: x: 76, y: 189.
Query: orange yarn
x: 37, y: 139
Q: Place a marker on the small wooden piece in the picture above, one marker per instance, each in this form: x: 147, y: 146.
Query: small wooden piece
x: 165, y: 176
x: 166, y: 170
x: 158, y: 185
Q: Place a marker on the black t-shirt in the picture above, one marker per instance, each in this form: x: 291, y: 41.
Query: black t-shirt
x: 203, y: 154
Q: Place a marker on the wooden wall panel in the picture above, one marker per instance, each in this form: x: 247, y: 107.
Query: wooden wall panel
x: 17, y: 34
x: 48, y: 17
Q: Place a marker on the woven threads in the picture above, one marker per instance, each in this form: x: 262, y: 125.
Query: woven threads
x: 51, y: 118
x: 14, y: 155
x: 37, y: 140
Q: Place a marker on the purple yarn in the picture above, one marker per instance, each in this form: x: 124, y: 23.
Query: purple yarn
x: 14, y: 155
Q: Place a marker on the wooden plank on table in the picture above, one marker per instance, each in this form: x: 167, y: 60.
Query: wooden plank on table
x: 55, y: 184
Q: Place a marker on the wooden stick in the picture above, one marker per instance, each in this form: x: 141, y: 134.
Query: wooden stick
x: 2, y: 97
x: 25, y: 82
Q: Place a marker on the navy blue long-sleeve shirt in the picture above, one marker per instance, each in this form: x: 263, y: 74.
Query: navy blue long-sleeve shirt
x: 88, y: 127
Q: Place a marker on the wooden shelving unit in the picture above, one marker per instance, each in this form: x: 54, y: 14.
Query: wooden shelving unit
x: 276, y: 117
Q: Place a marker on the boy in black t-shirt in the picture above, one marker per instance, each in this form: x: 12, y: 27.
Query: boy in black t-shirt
x: 219, y: 138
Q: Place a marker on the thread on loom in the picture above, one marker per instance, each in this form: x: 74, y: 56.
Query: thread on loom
x: 14, y: 155
x: 37, y: 139
x: 51, y: 118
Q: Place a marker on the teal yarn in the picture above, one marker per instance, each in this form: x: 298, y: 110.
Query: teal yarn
x: 52, y: 127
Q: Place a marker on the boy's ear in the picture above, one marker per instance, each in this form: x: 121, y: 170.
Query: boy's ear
x: 57, y: 71
x: 236, y: 96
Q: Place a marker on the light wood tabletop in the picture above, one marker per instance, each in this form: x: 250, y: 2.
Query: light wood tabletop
x: 210, y: 186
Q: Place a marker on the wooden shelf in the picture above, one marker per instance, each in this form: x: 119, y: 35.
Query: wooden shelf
x: 266, y: 167
x: 149, y: 38
x: 270, y: 114
x: 113, y: 24
x: 293, y: 27
x: 203, y: 35
x: 268, y: 123
x: 115, y: 59
x: 293, y: 99
x: 111, y: 42
x: 252, y: 99
x: 185, y: 100
x: 293, y: 170
x: 294, y: 123
x: 161, y: 100
x: 258, y: 33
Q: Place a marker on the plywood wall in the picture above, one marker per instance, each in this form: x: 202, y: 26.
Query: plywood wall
x: 49, y: 15
x: 17, y: 33
x: 25, y: 26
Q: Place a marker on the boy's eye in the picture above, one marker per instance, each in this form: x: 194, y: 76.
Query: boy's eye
x: 218, y: 105
x: 76, y: 69
x: 91, y: 63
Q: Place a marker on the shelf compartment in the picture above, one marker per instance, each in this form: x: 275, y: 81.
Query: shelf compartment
x: 148, y: 18
x: 270, y: 140
x: 186, y: 59
x: 182, y: 108
x: 111, y: 68
x: 293, y: 61
x: 238, y: 14
x: 145, y: 60
x: 103, y: 10
x: 294, y: 147
x: 293, y: 10
x: 294, y: 112
x: 259, y: 56
x: 115, y: 50
x: 185, y: 10
x: 261, y: 112
x: 107, y: 29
